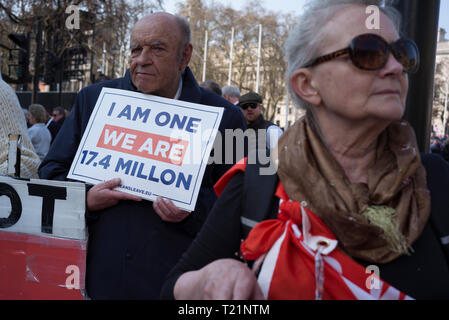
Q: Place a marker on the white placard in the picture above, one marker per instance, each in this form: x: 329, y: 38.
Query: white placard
x: 43, y: 207
x: 156, y: 146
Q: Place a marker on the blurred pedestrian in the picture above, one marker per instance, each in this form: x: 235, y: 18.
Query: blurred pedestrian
x: 39, y: 133
x: 55, y: 121
x: 212, y: 86
x: 231, y: 93
x: 58, y: 115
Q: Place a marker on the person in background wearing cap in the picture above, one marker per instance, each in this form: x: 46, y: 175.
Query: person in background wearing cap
x: 251, y: 105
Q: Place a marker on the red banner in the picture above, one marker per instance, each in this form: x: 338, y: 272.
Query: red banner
x: 37, y: 267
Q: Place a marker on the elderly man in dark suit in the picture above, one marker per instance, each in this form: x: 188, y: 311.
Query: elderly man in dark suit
x: 133, y: 244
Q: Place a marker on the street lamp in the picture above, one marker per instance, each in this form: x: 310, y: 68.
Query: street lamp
x: 205, y: 56
x: 114, y: 52
x: 231, y: 57
x: 445, y: 113
x: 259, y: 54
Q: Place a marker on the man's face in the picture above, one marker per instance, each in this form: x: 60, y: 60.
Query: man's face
x: 251, y: 111
x: 232, y: 99
x: 57, y: 116
x: 156, y: 63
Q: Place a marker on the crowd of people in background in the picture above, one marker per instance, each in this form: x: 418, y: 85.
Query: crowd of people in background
x: 439, y: 144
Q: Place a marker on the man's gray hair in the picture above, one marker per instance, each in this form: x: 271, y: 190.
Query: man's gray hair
x: 231, y: 91
x: 186, y: 33
x: 303, y: 42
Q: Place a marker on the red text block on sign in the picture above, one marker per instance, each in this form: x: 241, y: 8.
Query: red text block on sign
x: 143, y: 144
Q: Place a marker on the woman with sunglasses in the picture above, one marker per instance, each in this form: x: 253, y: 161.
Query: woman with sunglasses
x: 359, y: 214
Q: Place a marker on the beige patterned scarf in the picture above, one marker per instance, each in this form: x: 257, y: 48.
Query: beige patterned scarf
x: 376, y: 222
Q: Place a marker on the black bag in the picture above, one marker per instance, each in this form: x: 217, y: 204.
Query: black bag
x: 259, y: 202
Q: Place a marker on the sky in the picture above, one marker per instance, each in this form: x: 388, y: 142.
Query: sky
x: 285, y: 6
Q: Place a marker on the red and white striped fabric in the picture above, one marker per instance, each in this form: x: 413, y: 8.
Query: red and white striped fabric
x: 302, y: 259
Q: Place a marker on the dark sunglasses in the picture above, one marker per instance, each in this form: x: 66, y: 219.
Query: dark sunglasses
x: 371, y: 52
x: 249, y: 105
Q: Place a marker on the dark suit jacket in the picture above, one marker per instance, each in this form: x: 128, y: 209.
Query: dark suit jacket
x: 54, y: 128
x: 130, y: 248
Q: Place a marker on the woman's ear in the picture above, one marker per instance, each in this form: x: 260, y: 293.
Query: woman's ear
x: 301, y: 82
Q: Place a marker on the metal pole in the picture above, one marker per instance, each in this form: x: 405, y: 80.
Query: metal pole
x: 37, y: 59
x: 61, y: 70
x: 231, y: 57
x: 445, y: 110
x: 259, y: 53
x: 286, y: 110
x: 103, y: 57
x: 113, y: 66
x: 205, y: 57
x: 121, y: 63
x: 92, y: 76
x: 27, y: 63
x: 420, y: 94
x: 124, y: 65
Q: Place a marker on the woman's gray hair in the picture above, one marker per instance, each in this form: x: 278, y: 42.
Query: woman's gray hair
x: 302, y: 44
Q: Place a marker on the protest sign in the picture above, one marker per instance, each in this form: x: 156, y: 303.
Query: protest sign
x: 43, y: 239
x: 157, y: 146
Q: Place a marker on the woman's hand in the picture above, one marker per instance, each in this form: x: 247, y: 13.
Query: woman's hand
x: 102, y: 195
x: 225, y: 279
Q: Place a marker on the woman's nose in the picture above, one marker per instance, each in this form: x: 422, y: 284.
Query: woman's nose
x: 393, y: 66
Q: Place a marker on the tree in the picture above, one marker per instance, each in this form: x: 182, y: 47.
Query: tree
x: 98, y: 18
x: 440, y: 115
x: 218, y: 20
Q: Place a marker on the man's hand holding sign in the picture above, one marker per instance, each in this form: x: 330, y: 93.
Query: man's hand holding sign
x: 103, y: 195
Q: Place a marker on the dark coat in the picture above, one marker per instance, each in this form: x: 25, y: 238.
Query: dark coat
x: 130, y: 248
x: 260, y: 123
x: 54, y: 128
